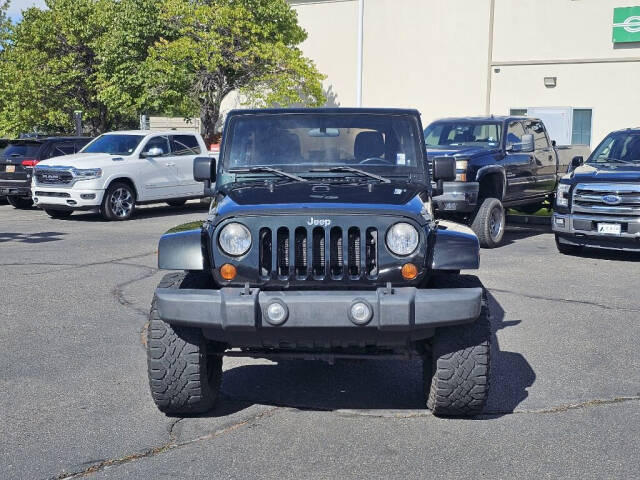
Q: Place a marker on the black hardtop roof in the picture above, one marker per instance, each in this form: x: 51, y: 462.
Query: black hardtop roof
x: 376, y: 111
x: 489, y: 118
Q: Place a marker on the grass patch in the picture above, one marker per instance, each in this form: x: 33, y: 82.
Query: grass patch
x: 186, y: 226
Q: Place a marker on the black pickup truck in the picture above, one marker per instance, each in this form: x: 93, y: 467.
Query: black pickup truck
x: 598, y: 203
x: 501, y: 162
x: 19, y: 158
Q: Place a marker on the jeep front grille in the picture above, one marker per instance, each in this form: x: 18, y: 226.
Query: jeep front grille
x: 318, y: 252
x: 591, y: 198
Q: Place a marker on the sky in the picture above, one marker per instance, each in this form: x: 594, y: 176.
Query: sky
x: 16, y: 6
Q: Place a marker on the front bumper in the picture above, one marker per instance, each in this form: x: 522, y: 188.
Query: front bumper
x: 14, y: 190
x: 318, y: 319
x: 581, y: 229
x: 74, y: 198
x: 457, y: 197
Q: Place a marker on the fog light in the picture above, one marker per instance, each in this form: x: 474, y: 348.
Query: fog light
x: 409, y: 271
x: 277, y: 313
x: 360, y: 312
x: 560, y: 222
x: 87, y: 196
x: 228, y: 271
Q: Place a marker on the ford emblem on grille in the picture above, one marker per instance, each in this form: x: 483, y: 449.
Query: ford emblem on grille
x: 611, y: 199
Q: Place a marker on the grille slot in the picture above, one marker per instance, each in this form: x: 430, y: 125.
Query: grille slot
x: 265, y: 252
x: 340, y: 253
x: 335, y: 253
x: 354, y: 252
x: 318, y: 253
x: 301, y: 252
x: 283, y: 251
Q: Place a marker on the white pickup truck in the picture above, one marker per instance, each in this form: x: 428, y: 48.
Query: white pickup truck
x: 119, y: 170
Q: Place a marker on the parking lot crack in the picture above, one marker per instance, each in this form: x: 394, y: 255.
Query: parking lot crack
x: 75, y: 266
x: 171, y: 444
x: 565, y: 300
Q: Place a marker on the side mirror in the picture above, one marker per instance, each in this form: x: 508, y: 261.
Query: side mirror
x: 204, y: 169
x: 152, y: 152
x: 525, y: 146
x: 577, y: 161
x: 444, y: 168
x: 527, y: 143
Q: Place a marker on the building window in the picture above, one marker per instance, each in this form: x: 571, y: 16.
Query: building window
x: 581, y: 132
x: 518, y: 112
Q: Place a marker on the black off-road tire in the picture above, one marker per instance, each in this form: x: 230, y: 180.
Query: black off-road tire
x: 53, y: 213
x: 567, y: 249
x: 489, y: 222
x: 456, y: 373
x: 176, y: 203
x: 184, y: 375
x: 118, y: 190
x: 21, y: 203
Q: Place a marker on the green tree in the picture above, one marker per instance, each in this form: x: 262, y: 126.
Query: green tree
x: 77, y: 55
x: 215, y: 47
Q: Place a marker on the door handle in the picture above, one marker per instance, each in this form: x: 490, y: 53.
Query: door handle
x: 171, y: 164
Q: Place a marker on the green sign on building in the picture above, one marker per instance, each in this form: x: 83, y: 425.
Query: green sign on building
x: 626, y: 24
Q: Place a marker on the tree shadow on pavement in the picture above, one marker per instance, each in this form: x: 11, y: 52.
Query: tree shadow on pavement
x: 367, y: 385
x: 38, y: 237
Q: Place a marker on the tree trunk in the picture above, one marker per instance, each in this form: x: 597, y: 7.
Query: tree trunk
x: 209, y: 116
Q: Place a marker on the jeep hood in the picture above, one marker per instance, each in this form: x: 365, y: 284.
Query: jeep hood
x: 606, y: 172
x: 287, y: 196
x: 81, y: 160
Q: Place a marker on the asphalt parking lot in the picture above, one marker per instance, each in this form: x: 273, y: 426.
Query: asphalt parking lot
x: 74, y: 400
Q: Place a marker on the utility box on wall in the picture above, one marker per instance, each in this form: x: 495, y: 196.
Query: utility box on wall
x: 565, y: 125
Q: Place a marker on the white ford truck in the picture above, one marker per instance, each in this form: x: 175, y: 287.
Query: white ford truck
x: 119, y: 170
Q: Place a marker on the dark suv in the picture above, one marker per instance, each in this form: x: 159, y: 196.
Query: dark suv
x: 19, y: 158
x: 320, y: 244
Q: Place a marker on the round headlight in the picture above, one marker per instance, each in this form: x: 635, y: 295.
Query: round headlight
x: 235, y: 239
x: 402, y: 239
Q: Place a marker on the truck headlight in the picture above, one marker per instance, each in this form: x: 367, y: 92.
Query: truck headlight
x: 235, y: 239
x: 461, y: 170
x: 562, y: 195
x: 87, y: 173
x: 402, y: 239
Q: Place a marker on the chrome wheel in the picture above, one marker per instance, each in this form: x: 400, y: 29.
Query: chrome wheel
x: 495, y: 223
x: 121, y: 202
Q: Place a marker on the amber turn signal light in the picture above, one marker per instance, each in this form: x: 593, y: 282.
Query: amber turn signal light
x: 228, y: 271
x: 409, y: 271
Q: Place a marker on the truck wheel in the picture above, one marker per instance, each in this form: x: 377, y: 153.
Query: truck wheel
x: 176, y: 203
x: 119, y: 202
x: 183, y: 375
x: 489, y: 222
x: 21, y: 203
x: 456, y: 374
x: 58, y: 213
x: 567, y: 249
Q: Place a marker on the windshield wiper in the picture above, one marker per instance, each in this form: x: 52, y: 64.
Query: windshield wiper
x: 265, y: 169
x: 344, y: 168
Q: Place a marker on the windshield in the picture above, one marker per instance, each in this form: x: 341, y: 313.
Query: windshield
x: 294, y: 142
x: 114, y: 144
x: 462, y: 134
x: 620, y: 147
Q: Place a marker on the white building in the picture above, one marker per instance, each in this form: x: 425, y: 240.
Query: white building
x: 556, y: 59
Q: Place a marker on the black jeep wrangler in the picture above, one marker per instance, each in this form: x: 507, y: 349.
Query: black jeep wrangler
x: 320, y: 244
